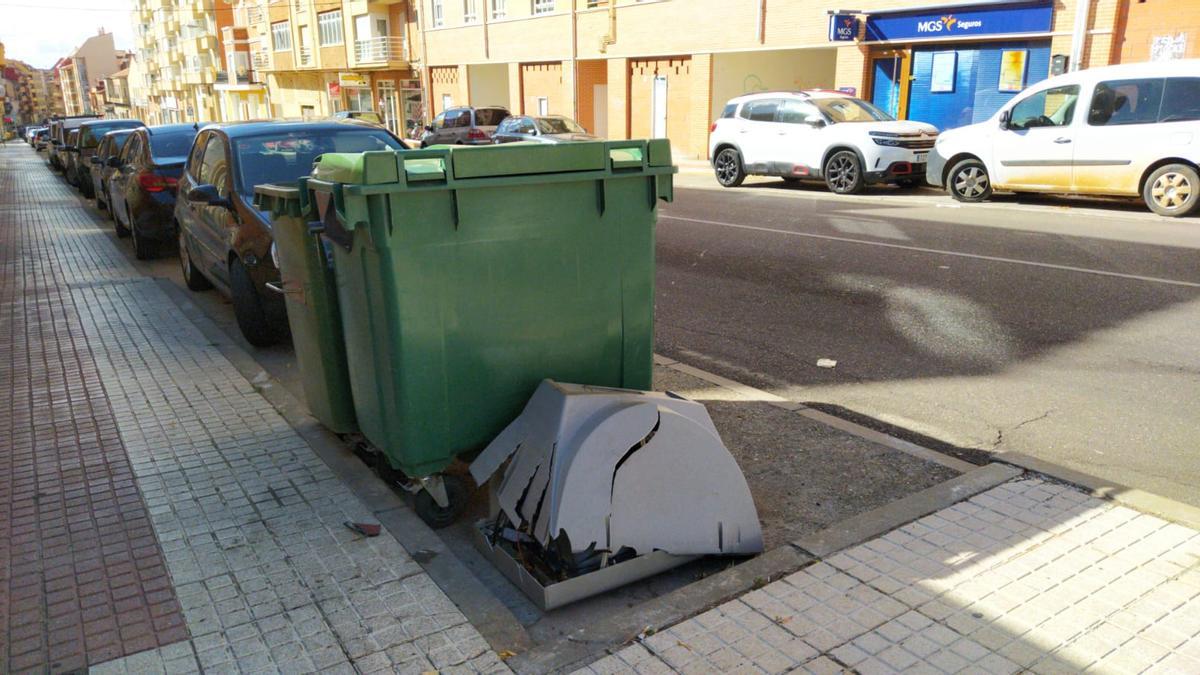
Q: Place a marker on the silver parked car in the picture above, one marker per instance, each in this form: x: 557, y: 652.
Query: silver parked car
x: 464, y: 126
x: 548, y: 129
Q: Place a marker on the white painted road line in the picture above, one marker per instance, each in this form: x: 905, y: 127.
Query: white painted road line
x: 921, y: 249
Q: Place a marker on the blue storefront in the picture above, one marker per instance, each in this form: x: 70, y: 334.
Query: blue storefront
x: 952, y: 65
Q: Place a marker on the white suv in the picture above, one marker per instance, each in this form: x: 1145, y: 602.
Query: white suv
x: 817, y: 134
x: 1128, y: 130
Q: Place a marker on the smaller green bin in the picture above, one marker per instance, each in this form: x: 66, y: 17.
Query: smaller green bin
x: 310, y: 292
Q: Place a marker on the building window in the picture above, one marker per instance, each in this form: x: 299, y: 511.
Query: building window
x: 439, y: 14
x: 329, y: 28
x: 499, y: 9
x: 470, y: 11
x: 543, y: 6
x: 281, y: 36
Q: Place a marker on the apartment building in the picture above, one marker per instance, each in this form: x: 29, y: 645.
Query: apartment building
x: 83, y: 70
x: 1150, y: 30
x: 27, y: 103
x: 180, y: 59
x: 320, y: 57
x: 635, y: 68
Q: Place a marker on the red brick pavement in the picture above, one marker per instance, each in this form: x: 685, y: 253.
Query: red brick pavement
x: 82, y: 578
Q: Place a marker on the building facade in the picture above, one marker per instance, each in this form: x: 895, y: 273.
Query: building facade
x: 179, y: 56
x: 1149, y: 30
x: 83, y: 70
x: 630, y: 68
x: 323, y: 57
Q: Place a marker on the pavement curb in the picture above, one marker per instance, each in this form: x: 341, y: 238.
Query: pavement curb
x: 495, y: 622
x: 1138, y: 500
x: 857, y: 529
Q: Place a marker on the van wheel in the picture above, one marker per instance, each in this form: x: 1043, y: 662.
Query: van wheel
x: 969, y: 182
x: 248, y: 307
x: 728, y: 167
x: 193, y: 278
x: 843, y: 173
x: 1172, y: 190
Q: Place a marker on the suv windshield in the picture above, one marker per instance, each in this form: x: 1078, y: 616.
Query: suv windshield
x: 489, y: 117
x: 558, y: 125
x: 284, y: 157
x: 171, y: 148
x: 90, y: 135
x: 846, y: 109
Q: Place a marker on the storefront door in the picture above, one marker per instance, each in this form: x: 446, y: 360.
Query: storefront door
x: 388, y: 106
x: 413, y: 112
x: 889, y: 89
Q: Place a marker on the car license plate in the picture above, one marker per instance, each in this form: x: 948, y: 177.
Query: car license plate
x: 919, y: 157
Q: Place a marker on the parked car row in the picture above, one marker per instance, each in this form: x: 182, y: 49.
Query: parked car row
x: 137, y: 173
x: 467, y: 125
x: 1140, y: 136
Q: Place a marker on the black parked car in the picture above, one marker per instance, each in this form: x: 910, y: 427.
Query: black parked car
x: 90, y: 134
x: 223, y: 239
x: 110, y: 146
x: 142, y: 189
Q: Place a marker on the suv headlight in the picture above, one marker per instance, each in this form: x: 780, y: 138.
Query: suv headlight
x: 890, y: 142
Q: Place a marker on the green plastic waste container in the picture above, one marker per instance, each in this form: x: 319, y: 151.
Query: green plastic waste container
x: 309, y: 289
x: 467, y: 275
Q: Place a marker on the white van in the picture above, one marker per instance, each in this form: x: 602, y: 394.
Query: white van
x: 1127, y: 130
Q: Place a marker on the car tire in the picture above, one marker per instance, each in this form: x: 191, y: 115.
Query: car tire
x: 727, y: 166
x: 143, y: 249
x: 1172, y: 190
x: 122, y: 229
x: 248, y: 307
x: 193, y: 278
x: 844, y: 173
x: 968, y: 181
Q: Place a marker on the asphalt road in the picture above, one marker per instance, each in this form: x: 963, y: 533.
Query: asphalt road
x: 1062, y: 329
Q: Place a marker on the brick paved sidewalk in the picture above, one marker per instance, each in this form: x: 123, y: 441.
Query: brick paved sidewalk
x: 153, y: 506
x: 1029, y: 576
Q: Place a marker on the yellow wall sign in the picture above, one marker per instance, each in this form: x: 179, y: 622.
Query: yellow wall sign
x: 1012, y: 70
x: 353, y: 80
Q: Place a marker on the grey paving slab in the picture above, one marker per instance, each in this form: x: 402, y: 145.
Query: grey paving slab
x: 1030, y: 576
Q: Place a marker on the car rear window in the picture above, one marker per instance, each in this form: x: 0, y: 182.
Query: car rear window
x: 287, y: 157
x: 489, y: 117
x: 1181, y: 100
x: 730, y: 109
x: 171, y: 147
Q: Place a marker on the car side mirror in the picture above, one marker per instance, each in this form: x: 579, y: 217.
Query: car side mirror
x: 428, y: 127
x: 1004, y: 119
x: 113, y: 162
x: 207, y: 194
x: 815, y: 122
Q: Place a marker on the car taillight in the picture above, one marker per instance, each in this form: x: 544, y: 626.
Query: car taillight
x: 152, y: 182
x: 712, y: 128
x: 477, y: 135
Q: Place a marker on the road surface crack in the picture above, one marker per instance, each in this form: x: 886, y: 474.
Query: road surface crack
x: 1000, y: 430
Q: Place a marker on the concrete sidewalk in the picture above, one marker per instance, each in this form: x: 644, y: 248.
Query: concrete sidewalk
x: 1032, y: 575
x: 157, y: 514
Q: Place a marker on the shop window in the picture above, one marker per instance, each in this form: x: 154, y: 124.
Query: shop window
x: 281, y: 36
x: 1049, y: 108
x: 329, y: 28
x: 1181, y: 100
x: 1119, y: 102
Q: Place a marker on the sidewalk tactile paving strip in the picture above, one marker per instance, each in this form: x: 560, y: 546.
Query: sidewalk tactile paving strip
x: 83, y: 577
x: 248, y: 517
x: 1031, y: 576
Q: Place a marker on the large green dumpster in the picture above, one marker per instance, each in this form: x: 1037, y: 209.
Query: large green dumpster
x: 466, y: 276
x: 310, y: 293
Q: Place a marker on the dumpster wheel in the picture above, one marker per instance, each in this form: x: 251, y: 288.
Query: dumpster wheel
x: 437, y: 516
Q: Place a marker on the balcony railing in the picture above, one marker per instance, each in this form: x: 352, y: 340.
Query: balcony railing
x: 381, y: 49
x: 305, y: 56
